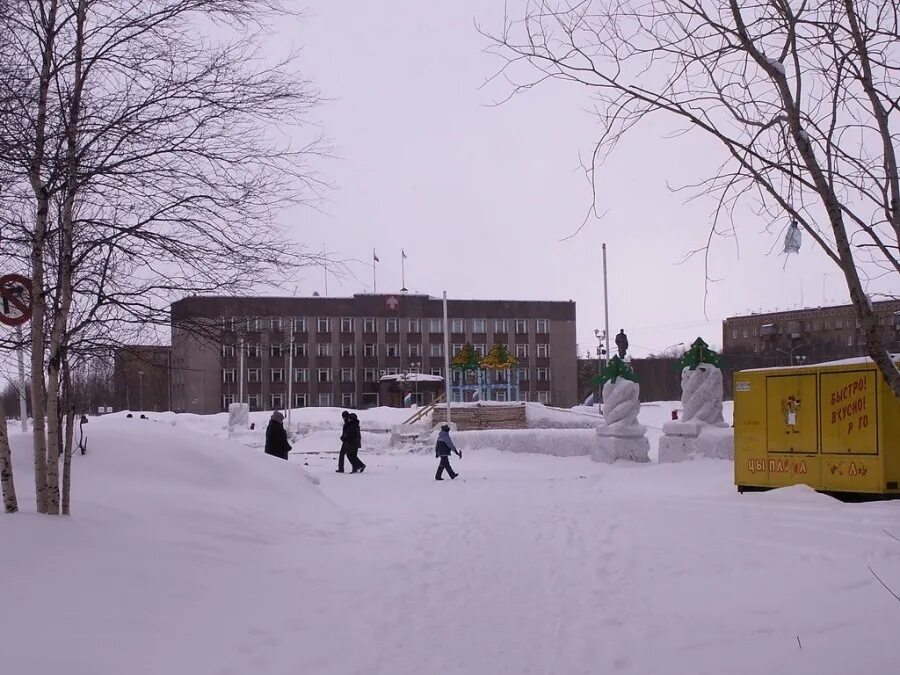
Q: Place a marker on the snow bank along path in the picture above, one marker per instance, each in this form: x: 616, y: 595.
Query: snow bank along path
x: 191, y: 554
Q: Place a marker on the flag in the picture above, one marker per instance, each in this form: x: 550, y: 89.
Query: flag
x: 403, y: 253
x: 375, y: 257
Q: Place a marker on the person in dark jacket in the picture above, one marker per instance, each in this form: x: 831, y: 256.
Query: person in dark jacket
x: 344, y: 444
x: 276, y: 437
x: 353, y: 437
x: 622, y: 343
x: 442, y: 449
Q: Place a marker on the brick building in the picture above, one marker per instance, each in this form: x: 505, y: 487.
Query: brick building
x: 803, y: 336
x: 141, y: 378
x: 338, y: 350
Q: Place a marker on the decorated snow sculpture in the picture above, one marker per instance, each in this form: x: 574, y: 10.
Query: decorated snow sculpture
x: 702, y: 429
x: 621, y: 436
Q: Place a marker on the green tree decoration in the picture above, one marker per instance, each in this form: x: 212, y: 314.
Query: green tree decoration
x: 697, y: 354
x: 616, y: 368
x: 465, y: 359
x: 498, y: 358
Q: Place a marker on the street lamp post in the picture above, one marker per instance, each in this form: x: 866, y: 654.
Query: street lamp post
x: 800, y: 359
x: 141, y: 389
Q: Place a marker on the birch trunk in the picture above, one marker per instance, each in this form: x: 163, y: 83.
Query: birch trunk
x: 42, y: 199
x: 6, y: 472
x: 67, y: 459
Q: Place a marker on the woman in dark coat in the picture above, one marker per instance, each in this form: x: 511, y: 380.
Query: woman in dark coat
x: 276, y: 437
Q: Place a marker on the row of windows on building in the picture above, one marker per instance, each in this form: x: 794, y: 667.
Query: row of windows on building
x: 390, y: 349
x: 811, y: 326
x: 254, y: 375
x: 324, y: 324
x: 348, y: 400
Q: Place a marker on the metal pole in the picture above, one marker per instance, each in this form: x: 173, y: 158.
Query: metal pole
x: 141, y: 389
x: 290, y: 401
x: 23, y: 409
x: 241, y: 371
x: 446, y: 357
x: 402, y: 273
x: 606, y: 304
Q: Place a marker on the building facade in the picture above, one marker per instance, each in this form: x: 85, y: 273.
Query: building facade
x: 804, y: 336
x: 335, y: 351
x: 141, y: 378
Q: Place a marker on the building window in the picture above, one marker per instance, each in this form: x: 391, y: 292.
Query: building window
x: 369, y: 325
x: 301, y: 374
x: 437, y: 349
x: 850, y: 340
x: 502, y: 376
x: 323, y: 349
x: 543, y: 374
x: 369, y: 375
x: 435, y: 325
x: 253, y: 374
x: 253, y: 325
x: 734, y: 333
x: 370, y: 349
x: 414, y: 349
x: 392, y: 349
x: 391, y: 371
x: 415, y: 325
x: 478, y: 326
x: 543, y: 397
x: 277, y: 324
x: 300, y: 400
x: 227, y: 322
x: 347, y: 400
x: 324, y: 400
x: 347, y: 349
x: 228, y: 351
x: 229, y: 375
x: 457, y: 326
x: 500, y: 395
x: 227, y: 400
x: 522, y: 351
x: 437, y: 371
x: 301, y: 349
x: 275, y: 350
x: 323, y: 324
x: 524, y: 395
x: 346, y: 374
x: 543, y: 326
x: 253, y: 350
x: 523, y: 374
x: 543, y: 351
x: 746, y: 332
x: 255, y: 401
x: 300, y: 324
x: 480, y: 349
x: 521, y: 326
x: 277, y: 374
x: 347, y: 324
x: 392, y: 325
x: 277, y: 401
x: 501, y: 326
x: 324, y: 375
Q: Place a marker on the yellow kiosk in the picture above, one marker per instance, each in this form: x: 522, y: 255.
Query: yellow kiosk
x: 834, y: 426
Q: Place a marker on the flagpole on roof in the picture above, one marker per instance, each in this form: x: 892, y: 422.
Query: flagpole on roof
x: 374, y: 279
x: 402, y: 271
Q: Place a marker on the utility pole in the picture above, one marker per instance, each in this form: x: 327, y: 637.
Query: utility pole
x: 23, y: 408
x: 290, y: 373
x: 606, y: 304
x: 446, y: 358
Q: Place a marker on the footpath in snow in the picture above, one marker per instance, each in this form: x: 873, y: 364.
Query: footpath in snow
x: 191, y: 553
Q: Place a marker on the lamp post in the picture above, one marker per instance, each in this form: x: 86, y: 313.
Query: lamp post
x: 677, y: 344
x: 141, y: 389
x: 415, y: 366
x: 601, y: 352
x: 800, y: 359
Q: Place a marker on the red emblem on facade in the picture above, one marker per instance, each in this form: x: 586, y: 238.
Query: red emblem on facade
x: 392, y: 303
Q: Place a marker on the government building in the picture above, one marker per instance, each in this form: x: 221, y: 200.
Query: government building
x: 353, y: 352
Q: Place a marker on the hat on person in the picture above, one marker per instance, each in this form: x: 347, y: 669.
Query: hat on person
x: 345, y: 414
x: 278, y: 416
x: 445, y: 427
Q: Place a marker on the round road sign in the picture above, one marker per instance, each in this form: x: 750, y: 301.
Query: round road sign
x: 16, y: 299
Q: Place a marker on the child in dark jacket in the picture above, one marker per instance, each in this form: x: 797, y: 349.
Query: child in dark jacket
x: 442, y: 449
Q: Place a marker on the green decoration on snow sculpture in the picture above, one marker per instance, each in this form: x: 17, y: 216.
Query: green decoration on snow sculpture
x: 465, y: 359
x: 498, y: 358
x: 697, y: 354
x: 616, y: 368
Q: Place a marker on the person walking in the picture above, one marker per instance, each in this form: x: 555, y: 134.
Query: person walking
x: 344, y: 442
x: 354, y: 443
x: 622, y: 343
x: 276, y: 437
x: 442, y: 449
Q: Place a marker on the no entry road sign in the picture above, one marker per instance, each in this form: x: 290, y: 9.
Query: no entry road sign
x: 16, y: 299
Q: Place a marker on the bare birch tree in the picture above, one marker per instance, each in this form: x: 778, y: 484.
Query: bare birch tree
x: 803, y: 98
x: 157, y: 160
x: 7, y: 484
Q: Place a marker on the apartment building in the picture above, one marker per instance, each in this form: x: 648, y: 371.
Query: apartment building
x: 342, y: 351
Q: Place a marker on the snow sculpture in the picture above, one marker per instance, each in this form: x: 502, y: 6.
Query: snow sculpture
x: 702, y: 430
x: 621, y: 436
x: 238, y: 416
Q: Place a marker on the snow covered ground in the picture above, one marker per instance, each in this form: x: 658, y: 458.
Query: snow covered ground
x: 191, y: 553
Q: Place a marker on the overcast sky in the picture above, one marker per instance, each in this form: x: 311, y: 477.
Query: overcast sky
x: 481, y: 196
